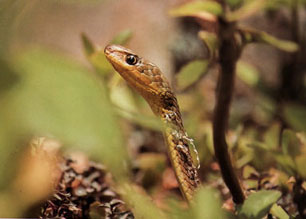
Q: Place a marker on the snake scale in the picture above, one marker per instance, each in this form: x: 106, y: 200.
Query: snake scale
x: 147, y: 79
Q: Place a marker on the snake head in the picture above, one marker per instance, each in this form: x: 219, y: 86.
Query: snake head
x: 122, y: 59
x: 142, y: 75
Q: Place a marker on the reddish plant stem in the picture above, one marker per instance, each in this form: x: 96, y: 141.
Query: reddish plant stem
x: 229, y: 53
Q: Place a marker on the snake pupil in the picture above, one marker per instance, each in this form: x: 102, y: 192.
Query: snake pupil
x: 131, y: 59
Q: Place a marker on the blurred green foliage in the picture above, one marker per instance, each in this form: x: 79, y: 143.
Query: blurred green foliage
x: 196, y: 7
x: 247, y: 73
x: 247, y: 9
x: 207, y: 205
x: 185, y: 79
x: 258, y: 204
x: 56, y: 97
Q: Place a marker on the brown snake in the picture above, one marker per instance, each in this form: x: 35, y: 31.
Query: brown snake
x: 147, y: 79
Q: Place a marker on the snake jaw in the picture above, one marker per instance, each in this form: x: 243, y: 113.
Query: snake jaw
x: 116, y: 56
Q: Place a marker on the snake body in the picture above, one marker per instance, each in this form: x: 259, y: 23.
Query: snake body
x: 147, y: 79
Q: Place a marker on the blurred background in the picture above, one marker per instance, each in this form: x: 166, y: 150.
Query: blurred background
x: 73, y: 135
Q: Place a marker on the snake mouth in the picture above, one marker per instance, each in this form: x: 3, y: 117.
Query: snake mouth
x: 106, y: 51
x: 109, y: 49
x: 116, y: 55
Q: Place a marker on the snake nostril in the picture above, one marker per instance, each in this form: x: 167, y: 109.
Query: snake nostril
x: 108, y: 49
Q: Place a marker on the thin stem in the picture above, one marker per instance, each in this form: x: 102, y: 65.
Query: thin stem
x: 229, y: 54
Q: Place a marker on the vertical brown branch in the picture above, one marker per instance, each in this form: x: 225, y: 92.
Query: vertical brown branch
x: 292, y: 71
x: 229, y: 53
x: 295, y: 30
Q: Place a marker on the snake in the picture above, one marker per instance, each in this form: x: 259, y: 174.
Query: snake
x: 148, y: 80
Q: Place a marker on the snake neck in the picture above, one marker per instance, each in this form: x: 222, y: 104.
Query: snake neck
x: 178, y: 144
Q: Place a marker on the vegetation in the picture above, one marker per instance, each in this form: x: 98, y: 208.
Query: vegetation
x: 54, y: 107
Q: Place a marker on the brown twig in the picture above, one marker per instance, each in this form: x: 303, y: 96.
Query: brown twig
x: 229, y: 53
x: 292, y: 73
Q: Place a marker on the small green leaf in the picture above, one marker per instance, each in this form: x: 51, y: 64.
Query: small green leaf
x: 279, y: 212
x: 285, y: 45
x: 259, y: 204
x: 295, y: 115
x: 301, y: 164
x: 176, y: 211
x: 247, y: 73
x: 211, y: 41
x: 154, y: 161
x: 207, y: 205
x: 97, y: 57
x: 142, y: 205
x: 290, y: 143
x: 100, y: 63
x: 265, y: 108
x: 122, y: 96
x: 247, y: 10
x: 123, y: 37
x: 286, y: 163
x: 87, y: 44
x: 249, y: 171
x: 271, y: 136
x: 149, y: 122
x: 191, y: 72
x: 196, y: 7
x: 257, y: 36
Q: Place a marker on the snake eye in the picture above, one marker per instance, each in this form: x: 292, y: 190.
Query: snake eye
x: 131, y: 59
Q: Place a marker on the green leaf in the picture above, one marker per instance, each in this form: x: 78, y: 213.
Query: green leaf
x: 249, y: 171
x: 295, y: 115
x: 210, y: 40
x: 87, y: 44
x: 247, y: 10
x: 259, y: 204
x: 176, y: 211
x: 290, y: 143
x: 123, y: 37
x: 286, y: 163
x: 122, y: 96
x: 197, y: 7
x: 96, y: 56
x: 142, y: 205
x: 271, y: 136
x: 247, y: 73
x: 57, y: 97
x: 207, y: 205
x: 149, y: 122
x: 279, y: 212
x: 285, y: 45
x: 191, y: 73
x: 300, y: 165
x: 100, y: 63
x: 257, y: 36
x: 265, y: 108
